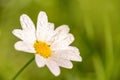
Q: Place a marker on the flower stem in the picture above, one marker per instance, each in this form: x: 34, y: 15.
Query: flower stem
x: 18, y: 73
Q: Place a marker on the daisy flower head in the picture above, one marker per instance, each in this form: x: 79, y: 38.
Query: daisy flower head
x: 50, y: 46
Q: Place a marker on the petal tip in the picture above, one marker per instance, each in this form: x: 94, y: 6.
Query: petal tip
x: 80, y: 59
x: 57, y: 74
x: 14, y: 31
x: 40, y: 61
x: 22, y: 16
x: 41, y: 13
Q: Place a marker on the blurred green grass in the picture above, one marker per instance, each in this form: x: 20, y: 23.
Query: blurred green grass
x: 94, y: 23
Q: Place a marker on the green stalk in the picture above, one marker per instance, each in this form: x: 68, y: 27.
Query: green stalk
x: 88, y: 26
x: 21, y: 70
x: 98, y: 66
x: 108, y: 47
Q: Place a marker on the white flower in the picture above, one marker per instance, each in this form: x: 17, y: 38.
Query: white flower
x: 51, y: 47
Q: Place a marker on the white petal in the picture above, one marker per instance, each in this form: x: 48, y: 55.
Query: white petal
x: 18, y: 33
x: 63, y: 43
x: 62, y: 29
x: 50, y: 33
x: 40, y: 61
x: 68, y: 40
x: 42, y: 20
x: 51, y: 26
x: 73, y: 49
x: 71, y: 56
x: 61, y: 32
x: 23, y: 46
x: 68, y: 54
x: 42, y: 24
x: 63, y: 62
x: 27, y: 36
x: 27, y: 23
x: 53, y: 67
x: 28, y: 32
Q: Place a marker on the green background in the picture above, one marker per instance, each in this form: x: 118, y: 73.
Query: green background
x: 94, y: 23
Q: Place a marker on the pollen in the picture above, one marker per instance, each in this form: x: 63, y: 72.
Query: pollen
x: 42, y: 49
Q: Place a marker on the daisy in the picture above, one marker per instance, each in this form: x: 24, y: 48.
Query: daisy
x: 50, y: 46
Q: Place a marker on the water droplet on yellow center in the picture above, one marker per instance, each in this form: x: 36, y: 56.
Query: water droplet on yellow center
x: 42, y: 49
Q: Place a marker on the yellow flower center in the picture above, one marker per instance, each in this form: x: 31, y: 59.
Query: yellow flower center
x: 42, y: 49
